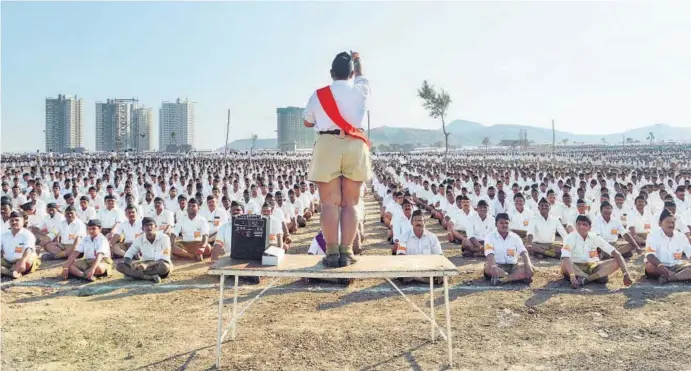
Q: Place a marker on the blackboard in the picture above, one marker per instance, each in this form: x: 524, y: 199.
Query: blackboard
x: 250, y: 236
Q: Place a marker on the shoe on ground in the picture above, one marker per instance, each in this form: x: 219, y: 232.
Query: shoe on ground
x: 346, y: 259
x: 495, y: 281
x: 332, y: 260
x: 582, y: 281
x: 46, y: 256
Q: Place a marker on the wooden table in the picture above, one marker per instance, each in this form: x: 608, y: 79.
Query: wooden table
x: 368, y: 266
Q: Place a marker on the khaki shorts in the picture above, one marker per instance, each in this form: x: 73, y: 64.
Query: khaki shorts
x: 190, y: 246
x: 521, y: 234
x: 336, y: 156
x: 674, y: 268
x: 84, y: 264
x: 36, y: 264
x: 587, y: 268
x: 508, y: 268
x: 550, y: 248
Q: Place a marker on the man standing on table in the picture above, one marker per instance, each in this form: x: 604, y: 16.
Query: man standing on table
x: 341, y: 160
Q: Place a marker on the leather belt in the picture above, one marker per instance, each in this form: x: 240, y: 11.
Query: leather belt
x: 335, y: 132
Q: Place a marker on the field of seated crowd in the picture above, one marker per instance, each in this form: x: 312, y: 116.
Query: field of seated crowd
x: 572, y: 260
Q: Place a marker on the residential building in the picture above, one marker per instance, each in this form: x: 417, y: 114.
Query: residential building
x: 119, y: 125
x: 177, y: 123
x: 64, y: 124
x: 291, y: 132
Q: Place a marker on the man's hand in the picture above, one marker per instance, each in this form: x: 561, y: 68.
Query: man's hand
x: 529, y: 269
x: 494, y: 271
x: 109, y: 236
x: 574, y: 282
x: 140, y: 267
x: 627, y: 279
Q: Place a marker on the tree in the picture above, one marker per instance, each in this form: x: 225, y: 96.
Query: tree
x: 438, y: 144
x: 486, y: 142
x: 604, y: 141
x: 651, y: 137
x: 565, y: 140
x: 437, y: 104
x: 629, y: 140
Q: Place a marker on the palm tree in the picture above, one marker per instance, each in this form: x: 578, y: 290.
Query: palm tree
x: 651, y: 137
x: 565, y: 140
x: 485, y: 142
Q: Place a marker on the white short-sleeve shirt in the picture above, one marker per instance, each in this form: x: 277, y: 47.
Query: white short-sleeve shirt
x: 14, y: 245
x: 667, y: 249
x: 131, y: 231
x: 505, y: 250
x: 427, y: 244
x: 151, y: 251
x: 608, y: 230
x: 70, y: 231
x: 351, y: 100
x: 192, y: 229
x: 582, y: 250
x: 91, y: 247
x: 480, y: 228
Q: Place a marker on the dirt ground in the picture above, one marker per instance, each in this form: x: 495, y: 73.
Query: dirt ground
x: 120, y: 324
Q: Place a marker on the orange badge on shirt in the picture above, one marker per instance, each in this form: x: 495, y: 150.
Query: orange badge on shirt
x: 649, y: 249
x: 510, y: 252
x: 166, y: 251
x: 71, y: 236
x: 217, y: 223
x: 677, y: 255
x: 567, y: 248
x: 525, y: 223
x: 646, y: 226
x: 18, y: 249
x: 197, y: 234
x: 488, y: 247
x: 614, y: 231
x: 592, y: 254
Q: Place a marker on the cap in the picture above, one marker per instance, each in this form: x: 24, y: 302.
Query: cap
x: 148, y: 220
x: 94, y: 223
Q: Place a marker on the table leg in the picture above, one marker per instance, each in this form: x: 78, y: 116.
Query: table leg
x: 431, y: 303
x: 235, y: 306
x: 219, y: 340
x: 448, y: 319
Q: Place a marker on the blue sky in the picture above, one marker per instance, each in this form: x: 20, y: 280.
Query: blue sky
x: 593, y: 67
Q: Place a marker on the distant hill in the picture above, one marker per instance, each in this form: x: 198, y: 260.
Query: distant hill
x: 468, y: 133
x: 246, y: 144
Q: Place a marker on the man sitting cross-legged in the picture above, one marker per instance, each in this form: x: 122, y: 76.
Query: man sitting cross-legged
x: 480, y: 225
x: 580, y: 261
x: 130, y: 230
x: 18, y: 249
x: 155, y: 249
x: 70, y: 233
x: 541, y: 232
x: 194, y: 233
x: 459, y: 221
x: 609, y: 228
x: 224, y: 236
x: 96, y: 261
x: 419, y: 241
x: 664, y: 250
x: 502, y: 249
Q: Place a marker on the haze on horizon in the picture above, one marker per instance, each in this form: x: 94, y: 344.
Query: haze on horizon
x: 596, y: 68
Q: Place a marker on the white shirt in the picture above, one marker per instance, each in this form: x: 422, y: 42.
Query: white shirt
x: 224, y: 236
x: 350, y: 99
x: 192, y: 229
x: 621, y: 214
x: 520, y: 221
x: 151, y: 251
x: 215, y: 218
x: 427, y: 244
x: 164, y: 219
x: 131, y: 231
x: 70, y: 232
x: 86, y: 214
x: 461, y: 220
x: 497, y: 207
x: 584, y: 250
x: 609, y: 231
x: 479, y: 228
x: 667, y: 249
x: 543, y: 230
x: 52, y: 224
x: 111, y: 217
x: 642, y: 222
x: 13, y: 246
x: 506, y: 251
x: 401, y: 225
x: 91, y: 247
x: 288, y: 211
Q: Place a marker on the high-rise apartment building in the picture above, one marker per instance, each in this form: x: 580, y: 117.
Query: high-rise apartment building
x: 64, y: 124
x: 292, y: 133
x: 176, y: 124
x: 122, y: 125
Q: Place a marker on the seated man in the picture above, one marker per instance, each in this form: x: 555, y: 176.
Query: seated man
x: 420, y: 241
x: 480, y: 225
x: 50, y: 225
x: 392, y: 208
x: 70, y: 234
x: 18, y: 249
x: 84, y: 211
x: 96, y: 261
x: 570, y: 217
x: 155, y: 249
x: 214, y: 215
x: 224, y: 236
x: 609, y: 228
x: 502, y: 249
x: 110, y: 218
x: 664, y: 251
x: 459, y: 220
x: 541, y: 233
x: 275, y: 226
x: 165, y: 219
x: 640, y: 220
x: 520, y: 216
x: 288, y: 212
x: 194, y: 233
x: 580, y: 262
x: 130, y: 230
x: 401, y: 225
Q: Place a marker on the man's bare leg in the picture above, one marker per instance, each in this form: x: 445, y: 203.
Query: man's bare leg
x: 604, y: 269
x: 349, y: 221
x: 331, y: 202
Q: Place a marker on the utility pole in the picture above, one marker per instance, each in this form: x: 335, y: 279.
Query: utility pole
x: 553, y: 140
x: 227, y: 133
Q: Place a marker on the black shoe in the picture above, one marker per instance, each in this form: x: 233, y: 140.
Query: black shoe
x: 332, y: 260
x: 346, y: 259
